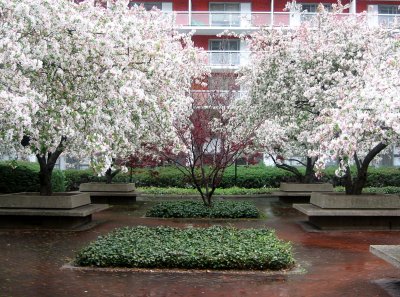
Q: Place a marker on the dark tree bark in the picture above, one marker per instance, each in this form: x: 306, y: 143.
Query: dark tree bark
x: 308, y: 177
x: 111, y: 174
x: 47, y: 164
x: 355, y: 185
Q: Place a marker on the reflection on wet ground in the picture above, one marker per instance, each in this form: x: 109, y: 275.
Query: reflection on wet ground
x: 333, y: 263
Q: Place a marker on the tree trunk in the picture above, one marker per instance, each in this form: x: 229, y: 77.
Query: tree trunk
x: 46, y: 168
x: 309, y: 176
x: 209, y: 199
x: 354, y: 186
x: 45, y: 180
x: 109, y: 176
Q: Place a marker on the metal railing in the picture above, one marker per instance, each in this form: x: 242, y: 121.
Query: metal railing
x: 242, y: 19
x: 227, y: 58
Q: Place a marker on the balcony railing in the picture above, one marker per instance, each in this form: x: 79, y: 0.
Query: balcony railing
x: 227, y: 58
x: 208, y: 19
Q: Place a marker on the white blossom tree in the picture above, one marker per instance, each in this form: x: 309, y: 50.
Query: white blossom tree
x: 86, y: 80
x: 158, y: 67
x: 336, y: 80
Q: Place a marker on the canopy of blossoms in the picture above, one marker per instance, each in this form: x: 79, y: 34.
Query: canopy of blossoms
x: 89, y: 80
x: 335, y: 81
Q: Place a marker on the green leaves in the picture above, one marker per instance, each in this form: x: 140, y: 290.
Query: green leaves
x: 21, y: 176
x: 197, y: 209
x: 193, y: 248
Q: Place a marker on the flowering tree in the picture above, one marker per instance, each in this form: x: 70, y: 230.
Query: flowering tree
x: 86, y: 80
x: 337, y: 78
x: 158, y: 66
x: 280, y: 139
x: 213, y: 136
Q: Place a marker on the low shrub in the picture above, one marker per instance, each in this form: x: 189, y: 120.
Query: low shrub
x: 255, y: 176
x: 193, y: 248
x: 24, y: 177
x: 197, y: 209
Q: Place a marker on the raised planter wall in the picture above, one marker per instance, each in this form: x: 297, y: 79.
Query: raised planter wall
x: 67, y: 211
x: 294, y: 187
x: 103, y: 187
x: 34, y: 200
x: 116, y: 194
x: 365, y: 201
x: 330, y: 211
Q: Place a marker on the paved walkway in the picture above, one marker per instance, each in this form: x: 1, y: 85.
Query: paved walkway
x: 333, y: 263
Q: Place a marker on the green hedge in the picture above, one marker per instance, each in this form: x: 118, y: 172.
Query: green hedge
x: 257, y: 176
x: 25, y: 178
x: 197, y: 209
x: 193, y: 248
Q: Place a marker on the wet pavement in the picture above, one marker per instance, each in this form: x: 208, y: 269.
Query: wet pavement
x: 331, y: 263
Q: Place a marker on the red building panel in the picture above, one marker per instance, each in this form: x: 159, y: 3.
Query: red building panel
x: 180, y: 5
x: 202, y: 41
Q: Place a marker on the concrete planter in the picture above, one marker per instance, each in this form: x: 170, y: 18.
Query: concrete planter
x: 295, y: 187
x: 365, y: 201
x: 103, y: 187
x: 66, y: 211
x: 115, y: 194
x: 34, y: 200
x: 300, y: 193
x: 337, y: 211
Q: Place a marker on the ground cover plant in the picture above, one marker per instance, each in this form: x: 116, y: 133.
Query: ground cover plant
x: 197, y: 209
x: 193, y: 248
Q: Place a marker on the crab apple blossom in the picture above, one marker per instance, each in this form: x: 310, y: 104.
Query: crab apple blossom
x: 337, y: 82
x: 86, y: 80
x: 157, y: 68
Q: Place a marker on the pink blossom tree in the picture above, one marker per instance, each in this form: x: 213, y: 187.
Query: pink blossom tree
x: 336, y: 80
x: 88, y: 80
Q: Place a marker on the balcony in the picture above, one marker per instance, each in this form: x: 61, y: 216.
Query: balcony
x: 229, y: 20
x: 206, y: 22
x: 227, y: 59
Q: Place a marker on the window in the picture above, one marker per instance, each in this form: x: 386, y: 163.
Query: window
x: 225, y: 14
x: 387, y: 13
x: 224, y: 52
x: 147, y: 5
x: 310, y: 9
x: 313, y: 7
x: 388, y: 9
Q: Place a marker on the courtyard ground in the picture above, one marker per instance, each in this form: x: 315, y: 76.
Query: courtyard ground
x: 335, y: 263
